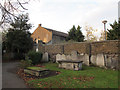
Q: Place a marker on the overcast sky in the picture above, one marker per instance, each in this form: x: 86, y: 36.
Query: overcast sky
x: 61, y: 15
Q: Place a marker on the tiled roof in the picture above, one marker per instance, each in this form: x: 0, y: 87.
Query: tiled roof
x: 58, y: 33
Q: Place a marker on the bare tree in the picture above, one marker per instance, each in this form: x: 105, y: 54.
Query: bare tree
x: 90, y: 36
x: 10, y: 8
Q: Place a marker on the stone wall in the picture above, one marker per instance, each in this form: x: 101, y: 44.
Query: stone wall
x: 105, y: 60
x: 41, y: 47
x: 102, y: 53
x: 54, y: 49
x: 80, y: 47
x: 105, y: 47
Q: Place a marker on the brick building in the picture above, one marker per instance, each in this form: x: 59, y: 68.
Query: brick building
x: 48, y: 36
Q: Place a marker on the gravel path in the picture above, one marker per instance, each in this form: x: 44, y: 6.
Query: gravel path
x: 9, y: 77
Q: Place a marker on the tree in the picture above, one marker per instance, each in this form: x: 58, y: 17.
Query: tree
x: 9, y: 8
x: 114, y: 33
x: 102, y: 37
x: 75, y: 34
x: 71, y: 33
x: 18, y: 38
x: 90, y: 34
x: 79, y: 35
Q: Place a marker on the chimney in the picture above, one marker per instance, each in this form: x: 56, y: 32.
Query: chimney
x: 39, y: 24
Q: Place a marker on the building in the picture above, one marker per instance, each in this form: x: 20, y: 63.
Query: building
x: 48, y: 36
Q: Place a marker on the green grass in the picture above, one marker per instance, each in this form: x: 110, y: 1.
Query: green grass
x: 35, y: 68
x: 89, y: 77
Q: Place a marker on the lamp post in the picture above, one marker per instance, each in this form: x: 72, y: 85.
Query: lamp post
x: 104, y: 22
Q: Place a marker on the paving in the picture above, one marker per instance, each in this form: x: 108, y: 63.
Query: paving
x: 9, y: 77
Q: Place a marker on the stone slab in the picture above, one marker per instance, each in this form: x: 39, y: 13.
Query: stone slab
x: 36, y: 72
x: 100, y: 60
x: 58, y: 57
x: 109, y: 61
x: 45, y: 57
x: 63, y: 57
x: 86, y: 59
x: 70, y: 65
x: 93, y: 59
x: 74, y: 55
x: 68, y: 57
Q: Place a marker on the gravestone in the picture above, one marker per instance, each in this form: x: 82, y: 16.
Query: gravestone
x: 74, y: 55
x: 100, y: 60
x: 45, y: 57
x: 114, y: 63
x: 81, y: 54
x: 58, y: 57
x: 63, y: 57
x: 68, y: 57
x: 109, y: 61
x: 80, y: 57
x: 93, y: 59
x: 86, y: 59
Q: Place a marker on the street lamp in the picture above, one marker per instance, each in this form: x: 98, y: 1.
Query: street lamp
x: 104, y: 22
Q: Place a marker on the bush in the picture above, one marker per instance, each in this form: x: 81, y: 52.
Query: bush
x: 25, y: 63
x: 36, y: 57
x: 18, y: 56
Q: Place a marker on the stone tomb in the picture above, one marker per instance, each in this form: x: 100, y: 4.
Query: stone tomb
x: 69, y: 64
x: 39, y: 72
x: 74, y: 56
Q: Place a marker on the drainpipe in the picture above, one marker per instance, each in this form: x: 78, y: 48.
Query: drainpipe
x: 89, y: 53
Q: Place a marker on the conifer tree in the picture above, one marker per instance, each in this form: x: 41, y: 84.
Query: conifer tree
x: 75, y: 34
x: 114, y: 33
x: 79, y: 35
x: 18, y: 38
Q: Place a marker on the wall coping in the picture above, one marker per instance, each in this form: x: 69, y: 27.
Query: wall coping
x: 84, y: 42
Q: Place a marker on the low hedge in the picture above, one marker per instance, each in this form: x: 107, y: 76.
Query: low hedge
x: 36, y: 57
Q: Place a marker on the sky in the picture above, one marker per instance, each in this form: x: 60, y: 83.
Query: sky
x: 61, y: 15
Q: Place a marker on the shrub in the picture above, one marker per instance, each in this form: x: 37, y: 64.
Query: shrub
x: 18, y: 56
x: 36, y: 57
x: 25, y: 63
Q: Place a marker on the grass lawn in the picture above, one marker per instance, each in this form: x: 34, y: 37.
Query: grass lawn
x: 35, y: 68
x: 89, y: 77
